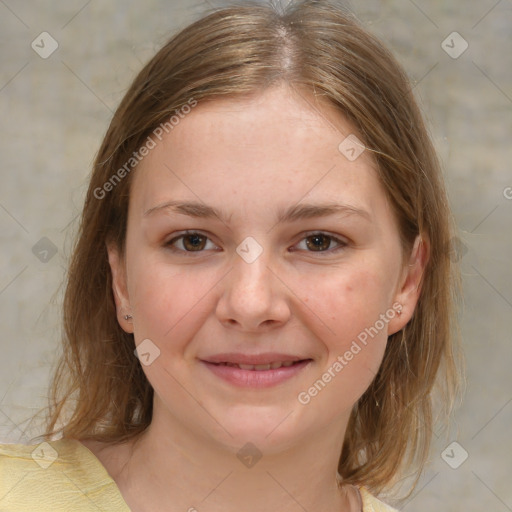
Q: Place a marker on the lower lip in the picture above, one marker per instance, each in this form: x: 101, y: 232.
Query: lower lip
x: 255, y: 378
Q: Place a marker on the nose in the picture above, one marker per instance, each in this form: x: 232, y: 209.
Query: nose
x: 253, y: 298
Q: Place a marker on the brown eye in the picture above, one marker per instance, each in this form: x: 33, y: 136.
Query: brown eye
x: 190, y: 242
x: 194, y: 242
x: 321, y: 243
x: 318, y: 242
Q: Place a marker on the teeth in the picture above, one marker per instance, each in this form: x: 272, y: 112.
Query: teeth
x: 260, y: 367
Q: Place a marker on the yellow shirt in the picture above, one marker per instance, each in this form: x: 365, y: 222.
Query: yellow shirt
x: 64, y: 476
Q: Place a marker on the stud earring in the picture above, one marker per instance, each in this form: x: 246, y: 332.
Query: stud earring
x: 128, y: 317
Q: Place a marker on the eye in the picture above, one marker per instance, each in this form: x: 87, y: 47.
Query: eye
x: 321, y: 242
x: 190, y: 242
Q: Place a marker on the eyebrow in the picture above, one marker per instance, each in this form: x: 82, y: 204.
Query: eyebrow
x: 293, y: 213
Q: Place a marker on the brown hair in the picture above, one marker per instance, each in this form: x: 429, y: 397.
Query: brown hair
x: 99, y: 390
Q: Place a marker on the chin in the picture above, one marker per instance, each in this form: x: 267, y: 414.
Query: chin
x: 269, y: 429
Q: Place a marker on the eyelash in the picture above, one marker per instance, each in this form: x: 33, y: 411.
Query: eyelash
x: 341, y: 244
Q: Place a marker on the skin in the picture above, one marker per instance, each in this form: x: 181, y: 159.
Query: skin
x: 251, y: 159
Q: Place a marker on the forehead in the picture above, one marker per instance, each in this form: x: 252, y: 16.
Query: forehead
x: 278, y: 146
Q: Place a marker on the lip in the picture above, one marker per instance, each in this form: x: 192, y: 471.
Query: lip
x: 255, y: 378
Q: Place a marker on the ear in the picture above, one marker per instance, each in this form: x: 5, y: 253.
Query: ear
x: 119, y: 287
x: 409, y: 286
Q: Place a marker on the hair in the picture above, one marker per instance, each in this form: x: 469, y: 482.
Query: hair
x: 99, y: 390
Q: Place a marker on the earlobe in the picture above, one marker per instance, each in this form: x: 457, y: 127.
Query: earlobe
x: 119, y: 288
x: 409, y: 287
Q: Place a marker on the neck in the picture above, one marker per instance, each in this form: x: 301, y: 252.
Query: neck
x: 168, y: 469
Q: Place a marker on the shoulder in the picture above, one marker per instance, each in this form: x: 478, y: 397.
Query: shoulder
x: 372, y: 504
x: 54, y: 475
x: 29, y: 457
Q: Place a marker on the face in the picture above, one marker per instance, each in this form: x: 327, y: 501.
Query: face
x: 263, y: 270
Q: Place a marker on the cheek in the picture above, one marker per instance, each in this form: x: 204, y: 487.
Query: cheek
x: 171, y: 307
x: 351, y: 306
x: 167, y: 300
x: 346, y: 302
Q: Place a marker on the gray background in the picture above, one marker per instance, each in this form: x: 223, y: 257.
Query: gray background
x: 54, y: 112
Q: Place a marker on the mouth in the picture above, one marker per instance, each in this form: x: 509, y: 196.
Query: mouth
x: 274, y: 365
x: 255, y: 371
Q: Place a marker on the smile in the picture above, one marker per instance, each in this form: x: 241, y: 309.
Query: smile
x: 260, y: 367
x: 255, y: 372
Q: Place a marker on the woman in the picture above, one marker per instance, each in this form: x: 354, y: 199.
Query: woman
x: 260, y: 297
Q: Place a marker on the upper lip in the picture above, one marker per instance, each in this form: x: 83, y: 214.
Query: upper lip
x: 254, y: 359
